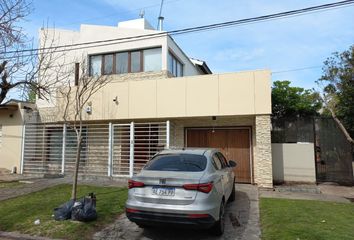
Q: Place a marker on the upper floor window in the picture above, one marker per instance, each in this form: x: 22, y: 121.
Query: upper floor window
x: 174, y: 65
x: 126, y: 62
x: 95, y: 65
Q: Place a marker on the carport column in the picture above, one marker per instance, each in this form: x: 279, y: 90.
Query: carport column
x: 63, y: 150
x: 167, y: 134
x: 263, y: 152
x: 23, y: 148
x: 131, y: 155
x: 110, y: 149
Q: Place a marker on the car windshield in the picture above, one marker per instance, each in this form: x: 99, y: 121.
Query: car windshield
x: 177, y: 162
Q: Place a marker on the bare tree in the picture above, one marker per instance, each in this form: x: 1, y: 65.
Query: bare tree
x: 20, y: 63
x: 75, y: 98
x: 329, y: 102
x: 337, y: 90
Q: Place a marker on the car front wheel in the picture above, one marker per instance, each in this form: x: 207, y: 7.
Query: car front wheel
x: 233, y: 193
x: 218, y: 228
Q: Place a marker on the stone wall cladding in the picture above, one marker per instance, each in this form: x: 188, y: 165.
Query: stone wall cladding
x: 263, y: 152
x: 140, y: 76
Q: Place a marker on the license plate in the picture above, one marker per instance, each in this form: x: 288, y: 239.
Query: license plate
x: 163, y: 191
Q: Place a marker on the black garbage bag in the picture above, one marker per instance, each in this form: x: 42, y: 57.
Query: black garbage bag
x: 63, y: 212
x: 85, y: 209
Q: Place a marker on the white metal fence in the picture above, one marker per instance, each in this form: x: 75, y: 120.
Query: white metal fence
x: 107, y: 149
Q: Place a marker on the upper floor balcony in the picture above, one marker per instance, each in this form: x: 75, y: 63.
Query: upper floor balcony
x: 230, y: 94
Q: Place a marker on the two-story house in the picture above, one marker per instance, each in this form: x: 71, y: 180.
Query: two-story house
x: 158, y: 98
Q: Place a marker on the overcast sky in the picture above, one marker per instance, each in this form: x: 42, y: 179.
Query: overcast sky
x: 279, y: 45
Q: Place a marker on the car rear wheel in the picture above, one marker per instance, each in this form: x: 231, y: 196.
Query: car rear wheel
x: 218, y: 228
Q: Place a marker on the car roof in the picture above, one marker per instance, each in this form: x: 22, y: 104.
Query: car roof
x: 196, y: 151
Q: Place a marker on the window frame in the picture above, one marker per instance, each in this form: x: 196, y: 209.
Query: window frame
x: 174, y: 63
x: 114, y: 67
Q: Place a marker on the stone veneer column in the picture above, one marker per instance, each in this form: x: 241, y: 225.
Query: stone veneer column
x: 263, y: 152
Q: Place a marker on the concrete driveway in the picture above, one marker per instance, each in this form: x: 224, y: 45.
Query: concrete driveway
x: 242, y: 222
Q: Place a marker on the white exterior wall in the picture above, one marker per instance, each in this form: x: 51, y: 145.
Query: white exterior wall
x: 188, y: 67
x: 293, y: 162
x: 90, y: 33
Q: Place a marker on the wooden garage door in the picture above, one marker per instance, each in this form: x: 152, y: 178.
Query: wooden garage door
x: 233, y: 143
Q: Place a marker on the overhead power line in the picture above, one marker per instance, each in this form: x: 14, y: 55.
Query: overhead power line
x: 296, y: 69
x: 99, y: 43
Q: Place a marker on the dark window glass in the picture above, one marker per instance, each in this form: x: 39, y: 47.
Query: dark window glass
x: 175, y: 67
x: 223, y: 159
x: 179, y: 70
x: 108, y: 64
x: 122, y: 62
x: 170, y: 63
x: 135, y: 62
x: 77, y: 74
x: 95, y: 65
x: 177, y: 162
x: 217, y: 162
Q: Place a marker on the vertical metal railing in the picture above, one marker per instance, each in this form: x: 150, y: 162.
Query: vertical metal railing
x: 168, y: 131
x: 22, y: 148
x: 131, y: 155
x: 63, y: 150
x: 108, y: 149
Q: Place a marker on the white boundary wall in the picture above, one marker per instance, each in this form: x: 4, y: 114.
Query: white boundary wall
x: 293, y: 162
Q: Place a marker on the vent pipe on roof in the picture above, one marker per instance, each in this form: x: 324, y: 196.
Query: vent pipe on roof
x: 161, y: 23
x: 142, y: 13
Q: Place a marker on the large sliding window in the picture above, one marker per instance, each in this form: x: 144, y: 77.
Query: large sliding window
x: 122, y: 62
x: 135, y: 62
x: 107, y: 64
x: 175, y: 67
x: 152, y: 60
x: 95, y: 65
x: 146, y: 60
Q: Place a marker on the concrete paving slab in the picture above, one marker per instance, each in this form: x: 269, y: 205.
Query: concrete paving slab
x: 242, y: 223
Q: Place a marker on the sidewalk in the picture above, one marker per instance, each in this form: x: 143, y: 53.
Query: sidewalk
x: 28, y: 184
x: 322, y: 192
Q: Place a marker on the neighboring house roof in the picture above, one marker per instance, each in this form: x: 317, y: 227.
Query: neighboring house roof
x: 14, y: 104
x: 201, y: 65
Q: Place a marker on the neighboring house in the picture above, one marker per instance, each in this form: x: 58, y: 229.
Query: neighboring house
x: 158, y: 98
x: 13, y: 114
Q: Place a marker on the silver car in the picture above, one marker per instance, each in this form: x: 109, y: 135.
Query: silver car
x: 186, y: 187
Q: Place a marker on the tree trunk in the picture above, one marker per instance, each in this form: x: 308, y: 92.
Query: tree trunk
x: 341, y: 126
x: 77, y: 164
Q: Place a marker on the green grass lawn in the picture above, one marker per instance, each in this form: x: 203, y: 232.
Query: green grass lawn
x: 19, y: 214
x: 302, y: 219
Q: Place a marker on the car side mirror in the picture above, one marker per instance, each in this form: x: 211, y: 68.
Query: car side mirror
x: 232, y: 163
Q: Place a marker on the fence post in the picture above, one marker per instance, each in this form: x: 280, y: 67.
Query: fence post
x: 63, y: 150
x: 110, y: 149
x: 167, y: 134
x: 23, y: 148
x: 131, y: 152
